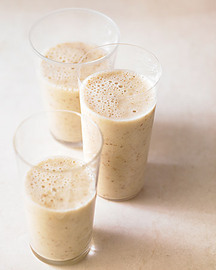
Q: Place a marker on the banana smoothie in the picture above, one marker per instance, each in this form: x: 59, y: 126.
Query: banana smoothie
x: 60, y: 201
x: 58, y: 80
x: 122, y: 103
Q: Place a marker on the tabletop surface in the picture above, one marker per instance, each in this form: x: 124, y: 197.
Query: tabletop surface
x: 171, y: 224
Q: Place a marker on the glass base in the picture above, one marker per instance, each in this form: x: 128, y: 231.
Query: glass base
x: 73, y: 144
x: 53, y: 262
x: 119, y: 199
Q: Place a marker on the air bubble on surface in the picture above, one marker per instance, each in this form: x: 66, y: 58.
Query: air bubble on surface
x: 117, y: 93
x: 73, y: 187
x: 67, y: 53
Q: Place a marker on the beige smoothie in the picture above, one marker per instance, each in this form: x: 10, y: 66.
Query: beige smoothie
x: 58, y: 79
x: 122, y: 105
x: 60, y: 200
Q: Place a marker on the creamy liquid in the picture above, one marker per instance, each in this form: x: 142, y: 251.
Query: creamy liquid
x: 60, y: 208
x: 59, y: 83
x: 118, y: 101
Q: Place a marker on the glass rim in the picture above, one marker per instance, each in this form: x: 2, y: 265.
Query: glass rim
x: 84, y: 165
x: 116, y: 46
x: 37, y: 22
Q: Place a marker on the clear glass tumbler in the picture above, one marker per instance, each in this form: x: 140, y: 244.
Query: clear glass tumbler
x: 59, y: 184
x: 121, y: 99
x: 59, y: 40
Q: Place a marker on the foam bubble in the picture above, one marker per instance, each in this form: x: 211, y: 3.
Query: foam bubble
x: 118, y: 93
x: 71, y: 52
x: 54, y: 184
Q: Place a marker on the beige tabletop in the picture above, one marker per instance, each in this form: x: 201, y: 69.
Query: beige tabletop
x: 171, y: 224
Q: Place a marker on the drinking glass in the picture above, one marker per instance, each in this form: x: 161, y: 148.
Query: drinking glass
x: 121, y: 99
x: 59, y: 183
x: 59, y: 40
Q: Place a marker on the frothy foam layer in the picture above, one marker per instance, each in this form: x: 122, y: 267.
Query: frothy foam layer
x: 71, y: 52
x: 118, y: 94
x: 60, y: 183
